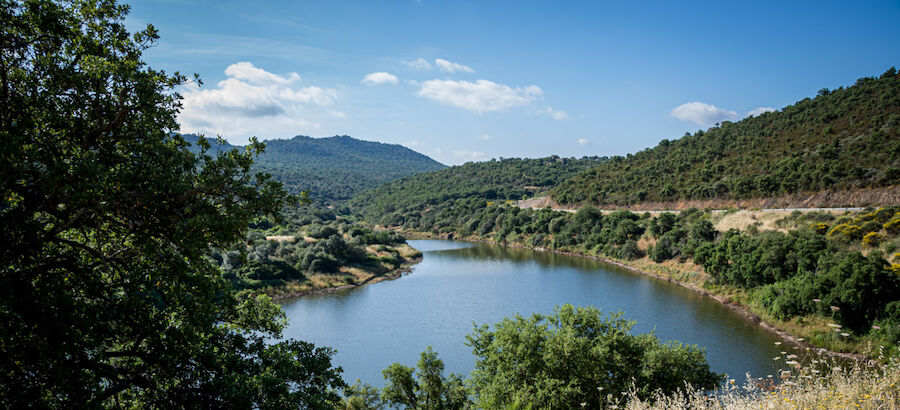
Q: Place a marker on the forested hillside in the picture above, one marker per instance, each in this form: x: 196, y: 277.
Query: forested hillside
x: 336, y: 168
x: 506, y: 179
x: 841, y: 139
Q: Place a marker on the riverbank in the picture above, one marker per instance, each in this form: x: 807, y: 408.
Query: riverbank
x: 690, y: 277
x: 348, y: 277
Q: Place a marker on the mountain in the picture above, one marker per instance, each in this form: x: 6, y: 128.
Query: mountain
x: 506, y: 179
x: 336, y: 168
x: 844, y: 139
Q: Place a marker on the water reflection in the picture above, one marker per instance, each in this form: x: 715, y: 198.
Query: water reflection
x: 458, y: 284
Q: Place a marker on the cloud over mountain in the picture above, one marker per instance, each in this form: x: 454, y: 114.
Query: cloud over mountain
x: 252, y: 101
x: 702, y: 114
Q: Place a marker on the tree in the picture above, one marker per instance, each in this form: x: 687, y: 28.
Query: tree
x: 361, y: 396
x: 425, y: 387
x: 575, y: 357
x: 106, y: 295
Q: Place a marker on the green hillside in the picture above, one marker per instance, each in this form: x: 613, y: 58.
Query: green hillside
x: 841, y: 139
x: 506, y: 179
x: 336, y: 168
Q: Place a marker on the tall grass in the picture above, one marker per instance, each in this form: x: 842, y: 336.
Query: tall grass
x: 814, y: 383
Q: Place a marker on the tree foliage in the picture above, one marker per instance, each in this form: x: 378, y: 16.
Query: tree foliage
x: 577, y: 357
x: 509, y: 179
x: 424, y: 387
x: 107, y: 297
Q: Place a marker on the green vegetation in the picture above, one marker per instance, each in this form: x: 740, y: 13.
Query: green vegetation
x: 576, y: 357
x: 424, y: 387
x: 573, y: 358
x: 107, y: 298
x: 508, y: 179
x: 310, y: 248
x: 335, y: 169
x: 842, y: 139
x: 813, y: 271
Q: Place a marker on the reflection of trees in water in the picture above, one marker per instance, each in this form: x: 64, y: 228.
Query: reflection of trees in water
x: 518, y: 255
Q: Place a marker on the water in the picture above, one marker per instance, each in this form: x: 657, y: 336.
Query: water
x: 458, y: 284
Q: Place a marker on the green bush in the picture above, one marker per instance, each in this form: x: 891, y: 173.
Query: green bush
x: 575, y: 357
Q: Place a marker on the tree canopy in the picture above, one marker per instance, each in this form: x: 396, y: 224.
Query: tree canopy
x: 577, y: 357
x: 107, y: 297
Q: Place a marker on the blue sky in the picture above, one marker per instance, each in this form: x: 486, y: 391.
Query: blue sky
x: 474, y: 80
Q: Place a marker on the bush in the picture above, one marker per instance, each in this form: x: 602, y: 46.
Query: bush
x: 873, y: 239
x: 630, y: 251
x: 893, y: 225
x: 576, y: 357
x: 845, y: 233
x: 859, y: 287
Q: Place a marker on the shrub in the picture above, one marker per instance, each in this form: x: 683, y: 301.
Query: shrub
x: 893, y: 225
x: 873, y: 239
x: 845, y: 233
x: 630, y: 250
x: 576, y: 357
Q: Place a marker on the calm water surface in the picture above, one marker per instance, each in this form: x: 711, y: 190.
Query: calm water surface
x: 458, y: 284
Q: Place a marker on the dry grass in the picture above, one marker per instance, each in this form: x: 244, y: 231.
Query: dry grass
x: 320, y: 281
x: 281, y: 238
x: 687, y: 272
x: 358, y: 274
x: 408, y: 252
x: 817, y: 384
x: 373, y: 249
x: 764, y: 221
x: 645, y: 242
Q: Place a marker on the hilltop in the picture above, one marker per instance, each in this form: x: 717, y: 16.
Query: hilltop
x: 334, y: 169
x: 841, y: 140
x: 507, y: 179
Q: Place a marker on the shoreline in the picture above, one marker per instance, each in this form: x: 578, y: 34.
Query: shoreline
x: 404, y: 269
x: 741, y: 310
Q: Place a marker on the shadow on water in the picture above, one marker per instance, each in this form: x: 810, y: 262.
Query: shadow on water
x: 459, y: 284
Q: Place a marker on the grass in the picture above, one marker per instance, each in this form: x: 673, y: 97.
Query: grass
x: 810, y: 382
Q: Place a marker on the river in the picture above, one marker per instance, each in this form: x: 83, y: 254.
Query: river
x: 458, y: 284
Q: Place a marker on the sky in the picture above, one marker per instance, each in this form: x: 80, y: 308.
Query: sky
x: 473, y: 80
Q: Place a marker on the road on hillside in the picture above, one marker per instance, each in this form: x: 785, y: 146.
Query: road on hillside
x: 852, y: 209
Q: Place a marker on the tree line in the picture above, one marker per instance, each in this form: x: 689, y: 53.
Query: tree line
x: 832, y: 267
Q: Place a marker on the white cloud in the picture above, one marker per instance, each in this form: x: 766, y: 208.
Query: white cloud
x: 480, y: 96
x: 484, y: 137
x: 412, y: 143
x: 379, y: 78
x: 247, y: 72
x: 337, y: 114
x: 584, y: 141
x: 759, y: 110
x: 558, y: 115
x: 252, y: 101
x: 420, y: 64
x: 702, y: 113
x: 469, y: 155
x: 452, y: 67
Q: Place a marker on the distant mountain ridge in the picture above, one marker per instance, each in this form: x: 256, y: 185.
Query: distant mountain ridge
x: 334, y: 169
